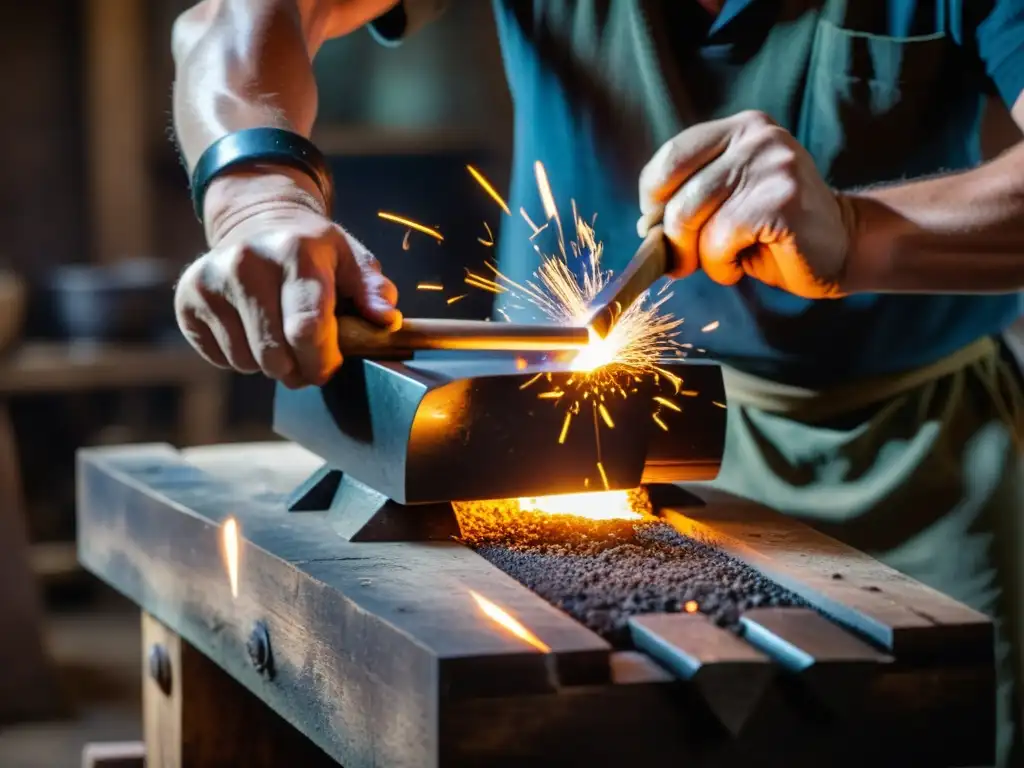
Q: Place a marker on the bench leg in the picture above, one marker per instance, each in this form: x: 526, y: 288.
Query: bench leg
x: 195, y: 714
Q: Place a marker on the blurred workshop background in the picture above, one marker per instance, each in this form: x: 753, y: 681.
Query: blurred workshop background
x: 97, y: 225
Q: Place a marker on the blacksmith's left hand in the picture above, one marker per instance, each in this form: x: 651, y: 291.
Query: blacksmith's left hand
x: 742, y: 197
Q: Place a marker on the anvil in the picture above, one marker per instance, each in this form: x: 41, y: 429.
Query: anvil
x: 402, y: 440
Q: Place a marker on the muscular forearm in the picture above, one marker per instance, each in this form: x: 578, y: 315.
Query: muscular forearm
x: 248, y: 63
x: 959, y: 233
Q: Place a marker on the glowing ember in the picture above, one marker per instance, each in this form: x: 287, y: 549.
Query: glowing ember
x: 690, y: 606
x: 460, y: 297
x: 229, y: 544
x: 429, y: 287
x: 602, y: 505
x: 505, y: 620
x: 410, y: 224
x: 488, y: 189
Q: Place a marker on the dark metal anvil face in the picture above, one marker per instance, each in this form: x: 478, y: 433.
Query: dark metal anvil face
x: 467, y: 429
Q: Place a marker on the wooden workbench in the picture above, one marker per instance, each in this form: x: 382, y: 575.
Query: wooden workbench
x: 373, y: 654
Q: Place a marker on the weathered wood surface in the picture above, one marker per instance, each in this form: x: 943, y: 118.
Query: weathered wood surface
x: 915, y: 622
x: 833, y: 665
x: 380, y: 661
x: 205, y: 718
x: 731, y: 674
x: 363, y: 634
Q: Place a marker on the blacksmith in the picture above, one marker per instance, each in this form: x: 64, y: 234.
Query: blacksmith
x: 824, y: 192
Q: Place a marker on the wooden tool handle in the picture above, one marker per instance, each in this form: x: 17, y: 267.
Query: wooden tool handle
x: 649, y: 264
x: 359, y: 338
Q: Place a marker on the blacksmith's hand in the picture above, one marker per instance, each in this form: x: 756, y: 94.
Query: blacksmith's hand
x: 742, y: 197
x: 263, y: 298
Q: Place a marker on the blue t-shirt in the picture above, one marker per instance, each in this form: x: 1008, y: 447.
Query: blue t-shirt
x: 876, y: 90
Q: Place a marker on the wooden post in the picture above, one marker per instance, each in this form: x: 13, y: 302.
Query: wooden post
x: 195, y: 714
x: 118, y: 184
x: 28, y: 684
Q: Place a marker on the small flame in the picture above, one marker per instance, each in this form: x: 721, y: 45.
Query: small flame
x: 229, y: 542
x: 603, y: 505
x: 505, y: 620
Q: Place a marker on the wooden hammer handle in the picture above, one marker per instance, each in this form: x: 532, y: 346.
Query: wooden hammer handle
x: 360, y: 338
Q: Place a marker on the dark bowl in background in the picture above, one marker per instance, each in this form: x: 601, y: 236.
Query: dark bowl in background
x: 130, y: 301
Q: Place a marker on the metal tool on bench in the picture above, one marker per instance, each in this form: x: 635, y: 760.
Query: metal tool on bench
x: 403, y: 439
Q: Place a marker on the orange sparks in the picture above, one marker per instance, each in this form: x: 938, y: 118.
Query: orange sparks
x: 690, y: 606
x: 530, y: 382
x: 604, y: 477
x: 521, y: 363
x: 565, y: 427
x: 720, y: 405
x: 429, y: 287
x: 406, y: 245
x: 667, y: 403
x: 710, y: 327
x: 453, y: 299
x: 659, y: 422
x: 411, y: 224
x: 508, y: 622
x: 478, y: 281
x: 489, y: 241
x: 554, y: 394
x: 229, y: 544
x: 490, y: 190
x: 605, y: 415
x: 689, y: 392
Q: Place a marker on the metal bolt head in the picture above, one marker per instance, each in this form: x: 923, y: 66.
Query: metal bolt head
x: 160, y: 667
x: 258, y: 647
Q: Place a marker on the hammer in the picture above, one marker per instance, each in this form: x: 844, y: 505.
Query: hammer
x: 651, y: 262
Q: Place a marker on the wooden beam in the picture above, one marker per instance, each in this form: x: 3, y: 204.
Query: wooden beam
x: 837, y: 667
x: 917, y: 623
x: 118, y: 164
x: 369, y: 633
x: 731, y: 675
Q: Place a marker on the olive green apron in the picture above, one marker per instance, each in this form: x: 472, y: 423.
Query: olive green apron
x: 922, y: 470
